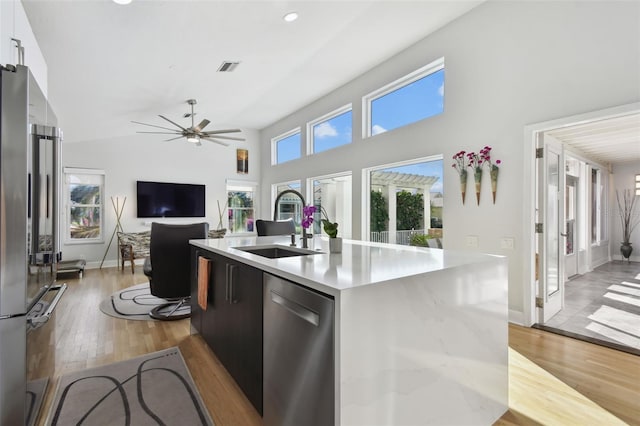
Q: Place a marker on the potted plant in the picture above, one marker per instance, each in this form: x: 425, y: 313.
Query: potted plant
x: 331, y: 229
x: 629, y: 219
x: 419, y: 240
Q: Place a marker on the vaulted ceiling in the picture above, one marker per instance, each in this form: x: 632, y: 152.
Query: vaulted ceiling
x: 109, y: 64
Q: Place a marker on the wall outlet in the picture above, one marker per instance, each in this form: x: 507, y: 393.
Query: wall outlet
x: 507, y: 243
x: 472, y: 241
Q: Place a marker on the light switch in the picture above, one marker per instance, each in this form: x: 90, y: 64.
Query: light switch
x: 507, y: 243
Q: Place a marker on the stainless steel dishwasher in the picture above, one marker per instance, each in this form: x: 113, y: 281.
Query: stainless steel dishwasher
x: 298, y: 355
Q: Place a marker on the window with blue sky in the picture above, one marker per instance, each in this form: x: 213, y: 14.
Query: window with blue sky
x: 286, y: 147
x: 415, y: 188
x: 412, y: 98
x: 331, y: 130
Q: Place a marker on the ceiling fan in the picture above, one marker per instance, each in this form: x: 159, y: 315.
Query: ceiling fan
x: 194, y: 134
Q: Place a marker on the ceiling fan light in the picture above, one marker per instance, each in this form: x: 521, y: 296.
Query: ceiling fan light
x: 193, y: 139
x: 122, y: 2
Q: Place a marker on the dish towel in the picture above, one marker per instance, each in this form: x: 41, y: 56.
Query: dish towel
x: 204, y: 267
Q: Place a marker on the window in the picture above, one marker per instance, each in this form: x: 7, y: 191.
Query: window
x: 286, y: 147
x: 333, y: 195
x: 330, y: 131
x: 242, y: 201
x: 84, y: 196
x: 598, y: 201
x: 289, y: 206
x: 637, y: 186
x: 414, y: 97
x: 404, y: 199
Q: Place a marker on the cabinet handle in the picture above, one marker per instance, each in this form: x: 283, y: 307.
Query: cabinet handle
x: 226, y: 282
x: 232, y: 284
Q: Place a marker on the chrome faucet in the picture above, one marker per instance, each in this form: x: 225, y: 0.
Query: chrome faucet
x: 305, y: 236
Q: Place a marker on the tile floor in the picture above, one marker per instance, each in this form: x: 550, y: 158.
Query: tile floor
x: 603, y: 304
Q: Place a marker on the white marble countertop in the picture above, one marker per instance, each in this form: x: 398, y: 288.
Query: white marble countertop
x: 360, y: 264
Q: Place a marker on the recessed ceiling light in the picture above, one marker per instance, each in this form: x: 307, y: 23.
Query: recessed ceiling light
x: 122, y: 1
x: 290, y: 17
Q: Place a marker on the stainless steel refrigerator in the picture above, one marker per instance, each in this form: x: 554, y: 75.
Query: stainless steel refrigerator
x: 29, y: 247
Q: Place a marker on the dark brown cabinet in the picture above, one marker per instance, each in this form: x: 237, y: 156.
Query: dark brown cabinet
x: 232, y: 323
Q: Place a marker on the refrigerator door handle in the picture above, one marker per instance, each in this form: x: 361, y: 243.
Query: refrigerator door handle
x: 61, y: 288
x: 48, y: 193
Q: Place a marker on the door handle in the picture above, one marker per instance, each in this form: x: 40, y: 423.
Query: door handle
x: 48, y: 193
x: 232, y: 284
x: 562, y: 234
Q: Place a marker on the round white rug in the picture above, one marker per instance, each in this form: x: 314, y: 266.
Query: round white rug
x: 135, y: 303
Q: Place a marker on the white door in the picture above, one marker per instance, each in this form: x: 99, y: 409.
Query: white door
x: 552, y: 239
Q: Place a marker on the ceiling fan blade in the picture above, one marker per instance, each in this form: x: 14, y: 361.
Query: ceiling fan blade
x: 223, y: 137
x: 153, y: 125
x: 173, y: 139
x: 202, y: 125
x: 163, y: 133
x: 215, y: 132
x: 172, y: 122
x: 213, y: 140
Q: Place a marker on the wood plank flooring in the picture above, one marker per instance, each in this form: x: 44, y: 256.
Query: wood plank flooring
x: 553, y: 379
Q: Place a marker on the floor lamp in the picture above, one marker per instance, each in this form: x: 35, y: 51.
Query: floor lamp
x: 118, y: 228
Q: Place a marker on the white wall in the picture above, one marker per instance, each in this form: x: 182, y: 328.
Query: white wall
x: 14, y: 24
x: 623, y: 178
x: 128, y: 159
x: 507, y: 64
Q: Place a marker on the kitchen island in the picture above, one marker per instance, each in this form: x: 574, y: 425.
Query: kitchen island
x: 419, y: 335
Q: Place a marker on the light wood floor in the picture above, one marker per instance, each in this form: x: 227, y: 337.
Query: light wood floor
x: 553, y: 379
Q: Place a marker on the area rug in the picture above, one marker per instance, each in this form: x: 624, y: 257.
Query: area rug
x: 155, y: 389
x: 134, y: 303
x: 35, y: 397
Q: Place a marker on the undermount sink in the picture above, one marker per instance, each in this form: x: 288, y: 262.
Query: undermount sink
x: 276, y: 251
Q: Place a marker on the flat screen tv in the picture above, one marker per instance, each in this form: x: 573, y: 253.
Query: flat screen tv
x: 163, y: 199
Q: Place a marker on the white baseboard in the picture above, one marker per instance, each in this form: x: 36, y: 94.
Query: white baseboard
x: 632, y: 258
x: 516, y: 317
x: 95, y: 264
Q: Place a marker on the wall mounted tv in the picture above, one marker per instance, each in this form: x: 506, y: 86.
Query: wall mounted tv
x: 163, y: 199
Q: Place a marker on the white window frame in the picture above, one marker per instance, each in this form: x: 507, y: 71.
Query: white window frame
x: 366, y: 185
x: 245, y: 186
x: 637, y: 184
x: 310, y: 200
x: 274, y: 145
x: 416, y: 75
x: 67, y: 205
x: 274, y: 192
x: 326, y: 117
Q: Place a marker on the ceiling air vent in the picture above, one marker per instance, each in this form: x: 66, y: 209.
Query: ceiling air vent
x: 228, y: 66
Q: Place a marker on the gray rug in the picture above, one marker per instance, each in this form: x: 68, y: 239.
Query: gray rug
x: 134, y: 303
x: 35, y: 396
x: 155, y: 389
